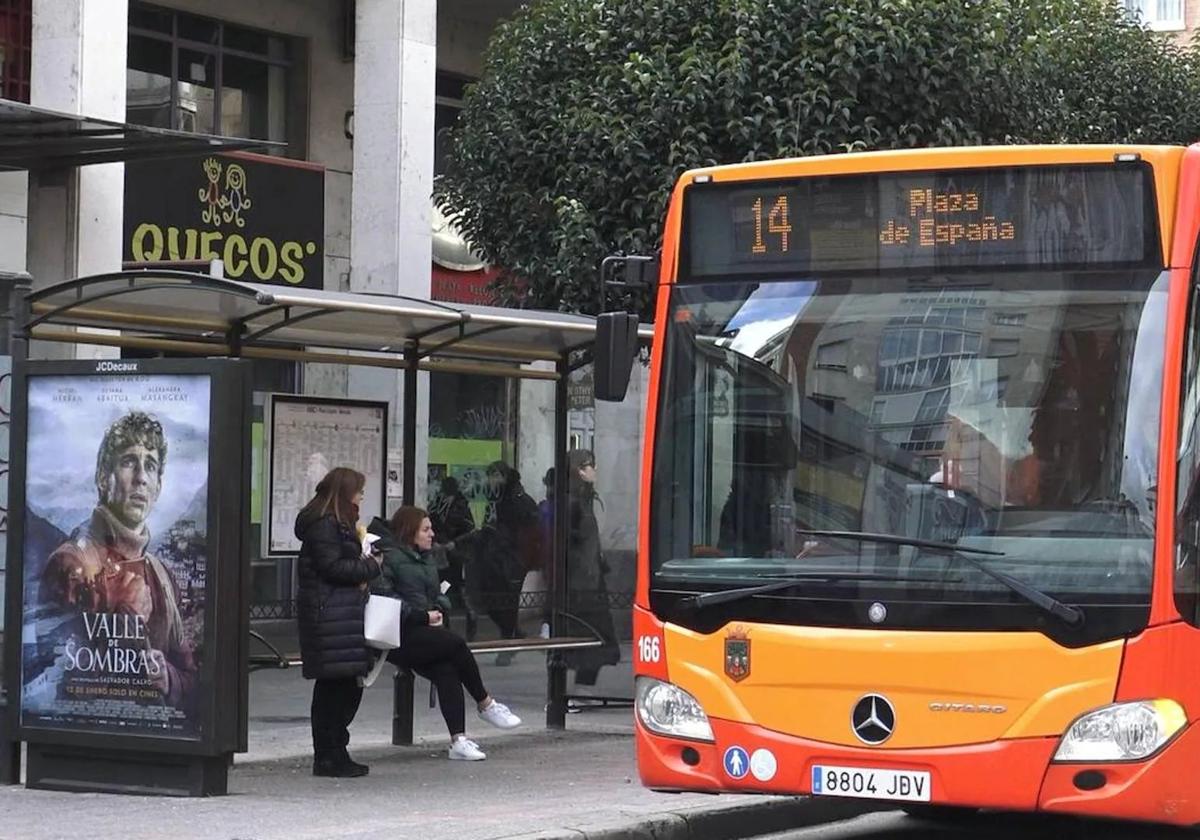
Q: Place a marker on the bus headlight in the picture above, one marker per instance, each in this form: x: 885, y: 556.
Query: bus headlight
x: 669, y: 710
x: 1122, y: 731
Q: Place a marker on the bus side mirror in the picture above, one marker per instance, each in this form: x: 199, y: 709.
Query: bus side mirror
x: 615, y: 352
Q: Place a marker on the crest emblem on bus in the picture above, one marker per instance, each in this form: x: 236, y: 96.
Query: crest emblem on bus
x: 737, y: 654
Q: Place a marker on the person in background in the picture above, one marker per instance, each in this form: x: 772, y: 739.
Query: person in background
x: 332, y: 596
x: 442, y: 657
x: 587, y: 586
x: 452, y: 520
x: 546, y: 530
x: 509, y: 533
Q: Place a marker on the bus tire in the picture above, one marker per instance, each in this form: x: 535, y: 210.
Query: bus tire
x: 940, y: 813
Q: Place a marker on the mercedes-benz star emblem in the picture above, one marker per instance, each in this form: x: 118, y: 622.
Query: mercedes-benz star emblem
x: 873, y: 719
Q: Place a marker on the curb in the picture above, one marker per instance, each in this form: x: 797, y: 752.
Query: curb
x: 733, y: 822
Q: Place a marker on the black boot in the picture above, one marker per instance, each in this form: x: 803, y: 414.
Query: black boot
x: 352, y: 767
x: 337, y: 764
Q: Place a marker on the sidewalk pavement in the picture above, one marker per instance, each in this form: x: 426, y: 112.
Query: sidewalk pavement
x: 580, y: 784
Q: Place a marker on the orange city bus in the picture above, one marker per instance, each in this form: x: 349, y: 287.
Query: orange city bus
x: 920, y: 510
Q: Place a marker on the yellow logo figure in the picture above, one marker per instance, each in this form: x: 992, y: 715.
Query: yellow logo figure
x: 236, y: 198
x: 224, y: 205
x: 210, y: 194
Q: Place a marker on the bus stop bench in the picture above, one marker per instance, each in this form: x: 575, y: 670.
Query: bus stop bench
x: 404, y: 683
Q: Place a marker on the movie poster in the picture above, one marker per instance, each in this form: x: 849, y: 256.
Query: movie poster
x: 115, y: 553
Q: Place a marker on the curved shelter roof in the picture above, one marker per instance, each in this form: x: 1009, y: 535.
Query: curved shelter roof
x: 197, y: 313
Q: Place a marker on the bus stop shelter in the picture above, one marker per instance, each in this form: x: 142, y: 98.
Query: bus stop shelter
x: 184, y: 314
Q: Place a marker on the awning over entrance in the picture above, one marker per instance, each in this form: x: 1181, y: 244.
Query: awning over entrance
x: 196, y: 313
x: 35, y: 138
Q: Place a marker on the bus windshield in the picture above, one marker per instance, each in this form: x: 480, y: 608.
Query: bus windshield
x: 1013, y: 412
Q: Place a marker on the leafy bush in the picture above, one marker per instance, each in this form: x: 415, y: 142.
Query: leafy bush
x: 589, y: 110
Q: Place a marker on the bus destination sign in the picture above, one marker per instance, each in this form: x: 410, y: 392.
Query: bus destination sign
x: 1019, y: 217
x: 945, y: 218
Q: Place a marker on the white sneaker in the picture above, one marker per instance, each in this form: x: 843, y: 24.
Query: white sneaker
x: 464, y: 749
x: 499, y: 715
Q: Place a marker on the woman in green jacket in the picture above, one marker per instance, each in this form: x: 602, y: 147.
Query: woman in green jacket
x: 443, y: 658
x: 409, y: 573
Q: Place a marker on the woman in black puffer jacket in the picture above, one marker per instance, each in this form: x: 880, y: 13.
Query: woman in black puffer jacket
x: 332, y: 598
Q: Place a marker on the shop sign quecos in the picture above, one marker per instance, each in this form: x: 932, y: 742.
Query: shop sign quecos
x: 263, y: 216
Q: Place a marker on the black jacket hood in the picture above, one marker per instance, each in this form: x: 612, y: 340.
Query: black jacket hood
x: 381, y: 529
x: 304, y: 521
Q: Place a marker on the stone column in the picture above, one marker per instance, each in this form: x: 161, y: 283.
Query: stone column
x: 390, y: 237
x: 75, y: 215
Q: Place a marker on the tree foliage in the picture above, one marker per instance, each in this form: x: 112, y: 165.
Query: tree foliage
x: 589, y: 110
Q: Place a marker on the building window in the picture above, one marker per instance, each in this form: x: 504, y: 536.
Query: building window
x: 193, y: 73
x: 1159, y: 15
x: 16, y: 42
x: 833, y: 355
x: 1000, y: 348
x: 449, y: 89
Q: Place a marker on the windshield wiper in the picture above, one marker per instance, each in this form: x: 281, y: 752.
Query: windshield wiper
x: 708, y: 599
x: 1073, y: 616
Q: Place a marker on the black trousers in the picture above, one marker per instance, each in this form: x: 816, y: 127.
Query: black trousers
x: 444, y: 659
x: 334, y: 704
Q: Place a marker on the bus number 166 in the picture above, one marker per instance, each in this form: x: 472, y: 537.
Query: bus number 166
x: 649, y: 648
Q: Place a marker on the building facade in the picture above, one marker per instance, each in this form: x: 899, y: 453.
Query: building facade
x: 355, y: 93
x: 1179, y: 18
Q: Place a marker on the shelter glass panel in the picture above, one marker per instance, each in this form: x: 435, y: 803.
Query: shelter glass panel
x: 484, y: 519
x: 604, y: 461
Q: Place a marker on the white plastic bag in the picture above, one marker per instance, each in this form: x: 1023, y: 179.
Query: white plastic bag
x: 381, y: 622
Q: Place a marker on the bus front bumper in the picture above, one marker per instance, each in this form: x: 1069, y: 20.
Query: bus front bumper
x: 1014, y: 775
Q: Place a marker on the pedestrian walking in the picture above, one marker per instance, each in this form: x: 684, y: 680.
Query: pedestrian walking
x: 587, y: 572
x: 546, y: 550
x: 503, y: 549
x: 452, y: 520
x: 434, y: 652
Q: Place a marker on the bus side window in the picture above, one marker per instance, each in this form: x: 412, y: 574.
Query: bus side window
x: 1187, y: 522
